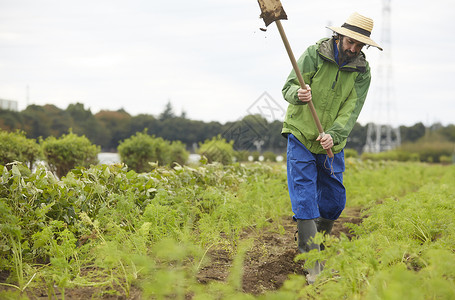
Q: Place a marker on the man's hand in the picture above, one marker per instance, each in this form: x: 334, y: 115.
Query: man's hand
x: 304, y: 95
x: 326, y: 141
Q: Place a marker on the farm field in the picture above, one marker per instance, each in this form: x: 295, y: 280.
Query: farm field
x: 222, y: 232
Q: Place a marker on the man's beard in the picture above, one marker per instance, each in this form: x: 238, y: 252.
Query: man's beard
x: 346, y: 56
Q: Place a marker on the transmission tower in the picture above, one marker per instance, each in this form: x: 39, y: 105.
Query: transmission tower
x: 381, y: 136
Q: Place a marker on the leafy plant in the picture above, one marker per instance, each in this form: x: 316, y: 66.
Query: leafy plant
x: 69, y: 151
x: 59, y: 244
x: 15, y: 146
x: 122, y: 232
x: 217, y: 150
x: 138, y: 151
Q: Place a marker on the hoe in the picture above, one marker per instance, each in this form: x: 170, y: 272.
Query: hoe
x: 272, y: 11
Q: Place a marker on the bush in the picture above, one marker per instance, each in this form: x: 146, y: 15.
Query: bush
x: 445, y: 159
x: 15, y: 146
x: 255, y: 155
x: 269, y: 156
x: 217, y: 150
x: 69, y: 151
x: 242, y: 155
x: 140, y: 149
x: 351, y: 153
x: 393, y: 155
x: 429, y: 148
x: 178, y: 152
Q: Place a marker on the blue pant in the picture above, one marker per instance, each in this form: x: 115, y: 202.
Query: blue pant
x: 315, y: 190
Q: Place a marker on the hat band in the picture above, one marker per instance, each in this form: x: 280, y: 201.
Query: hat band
x: 357, y: 29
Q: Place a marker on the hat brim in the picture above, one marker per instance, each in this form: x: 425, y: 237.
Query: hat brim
x: 356, y: 36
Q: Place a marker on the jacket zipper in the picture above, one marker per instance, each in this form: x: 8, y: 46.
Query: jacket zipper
x: 333, y: 61
x: 336, y: 79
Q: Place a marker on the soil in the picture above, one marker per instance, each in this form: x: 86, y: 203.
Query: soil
x: 271, y: 261
x: 266, y: 266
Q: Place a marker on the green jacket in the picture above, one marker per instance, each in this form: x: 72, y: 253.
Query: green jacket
x: 338, y: 96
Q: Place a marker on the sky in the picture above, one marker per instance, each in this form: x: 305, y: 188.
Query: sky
x: 210, y: 59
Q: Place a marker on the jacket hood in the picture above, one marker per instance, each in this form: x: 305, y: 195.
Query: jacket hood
x: 326, y: 51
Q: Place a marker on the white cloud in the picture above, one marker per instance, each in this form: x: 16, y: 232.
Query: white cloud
x: 208, y: 57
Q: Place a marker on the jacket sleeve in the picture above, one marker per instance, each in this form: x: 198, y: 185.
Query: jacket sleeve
x: 307, y: 65
x: 350, y: 109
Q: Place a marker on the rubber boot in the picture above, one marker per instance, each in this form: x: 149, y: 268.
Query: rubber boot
x: 325, y: 226
x: 306, y: 231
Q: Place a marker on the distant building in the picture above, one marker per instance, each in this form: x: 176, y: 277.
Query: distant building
x: 8, y: 105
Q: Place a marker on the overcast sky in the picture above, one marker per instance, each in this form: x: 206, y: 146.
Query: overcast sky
x: 210, y: 59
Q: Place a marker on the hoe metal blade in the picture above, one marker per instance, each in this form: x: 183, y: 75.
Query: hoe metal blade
x: 271, y: 10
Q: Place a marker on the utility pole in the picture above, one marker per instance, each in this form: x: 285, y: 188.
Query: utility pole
x: 381, y: 136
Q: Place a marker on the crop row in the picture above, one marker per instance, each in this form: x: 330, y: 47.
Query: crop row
x: 116, y: 230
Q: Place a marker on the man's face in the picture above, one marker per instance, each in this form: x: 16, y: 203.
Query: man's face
x: 349, y: 48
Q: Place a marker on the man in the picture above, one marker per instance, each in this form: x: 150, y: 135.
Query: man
x: 338, y: 78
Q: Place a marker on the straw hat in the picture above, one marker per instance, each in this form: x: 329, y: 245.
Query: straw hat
x: 359, y: 28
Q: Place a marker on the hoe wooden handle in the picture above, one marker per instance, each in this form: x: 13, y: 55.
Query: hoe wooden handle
x: 302, y: 83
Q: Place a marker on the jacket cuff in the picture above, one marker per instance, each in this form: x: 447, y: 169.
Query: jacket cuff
x: 335, y: 137
x: 291, y: 95
x: 296, y: 100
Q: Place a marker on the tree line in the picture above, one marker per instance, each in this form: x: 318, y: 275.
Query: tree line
x: 108, y: 128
